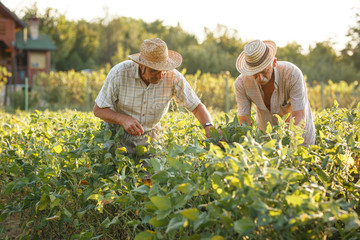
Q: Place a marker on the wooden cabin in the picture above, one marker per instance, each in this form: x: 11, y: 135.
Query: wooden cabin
x: 9, y: 25
x: 23, y: 50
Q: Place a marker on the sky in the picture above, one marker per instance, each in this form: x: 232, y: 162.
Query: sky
x: 283, y: 21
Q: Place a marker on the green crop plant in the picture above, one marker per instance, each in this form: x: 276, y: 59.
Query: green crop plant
x: 58, y: 181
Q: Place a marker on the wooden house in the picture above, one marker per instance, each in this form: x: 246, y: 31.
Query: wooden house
x: 23, y: 51
x: 9, y: 25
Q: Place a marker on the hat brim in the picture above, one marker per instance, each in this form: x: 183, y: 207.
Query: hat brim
x: 247, y: 70
x: 173, y: 61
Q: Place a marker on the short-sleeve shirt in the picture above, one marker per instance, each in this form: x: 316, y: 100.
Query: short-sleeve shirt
x: 125, y: 92
x: 290, y: 95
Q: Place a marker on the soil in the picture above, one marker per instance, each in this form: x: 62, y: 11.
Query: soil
x: 10, y: 227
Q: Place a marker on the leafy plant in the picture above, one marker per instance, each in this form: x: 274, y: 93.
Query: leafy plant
x: 63, y: 183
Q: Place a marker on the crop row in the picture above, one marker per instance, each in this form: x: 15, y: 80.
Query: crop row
x: 59, y: 182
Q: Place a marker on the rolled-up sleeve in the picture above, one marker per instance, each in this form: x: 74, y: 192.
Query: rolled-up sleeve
x: 243, y: 102
x: 184, y: 94
x: 298, y: 95
x: 106, y: 94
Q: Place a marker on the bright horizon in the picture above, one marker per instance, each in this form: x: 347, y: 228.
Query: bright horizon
x: 305, y: 22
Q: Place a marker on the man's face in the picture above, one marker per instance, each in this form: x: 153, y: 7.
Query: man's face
x: 264, y: 76
x: 150, y: 75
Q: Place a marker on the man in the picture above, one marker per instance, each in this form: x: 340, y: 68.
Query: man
x: 274, y: 87
x: 137, y: 93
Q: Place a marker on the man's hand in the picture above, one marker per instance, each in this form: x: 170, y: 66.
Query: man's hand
x: 132, y: 126
x: 207, y: 131
x: 244, y: 119
x: 202, y: 114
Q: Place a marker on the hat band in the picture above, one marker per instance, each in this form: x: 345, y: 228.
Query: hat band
x: 255, y: 64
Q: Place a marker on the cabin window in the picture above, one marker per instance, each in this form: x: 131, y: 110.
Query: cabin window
x: 37, y: 60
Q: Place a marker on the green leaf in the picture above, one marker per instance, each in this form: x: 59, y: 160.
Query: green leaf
x: 216, y: 151
x: 217, y: 237
x: 248, y: 180
x: 270, y: 144
x: 161, y: 214
x: 201, y: 221
x: 123, y: 199
x: 175, y: 149
x: 233, y: 165
x: 258, y: 206
x: 294, y: 200
x: 158, y: 223
x: 180, y: 201
x: 142, y: 189
x: 107, y: 135
x: 161, y: 202
x: 292, y: 175
x: 108, y: 156
x: 195, y: 150
x: 190, y: 213
x: 269, y: 128
x: 44, y: 201
x: 322, y: 175
x: 214, y: 134
x: 351, y: 221
x: 184, y: 188
x: 244, y: 225
x: 148, y: 235
x: 97, y: 197
x: 150, y: 206
x: 156, y: 164
x: 161, y: 176
x: 140, y: 150
x: 106, y: 223
x: 57, y: 149
x: 174, y: 163
x: 120, y: 151
x: 10, y: 187
x: 67, y: 213
x: 175, y: 223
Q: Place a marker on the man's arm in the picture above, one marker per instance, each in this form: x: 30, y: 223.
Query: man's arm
x: 202, y: 114
x: 298, y: 116
x: 131, y: 125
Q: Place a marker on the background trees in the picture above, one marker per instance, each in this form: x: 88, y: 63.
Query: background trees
x: 83, y: 45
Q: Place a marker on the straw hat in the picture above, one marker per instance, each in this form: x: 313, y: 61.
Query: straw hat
x: 257, y: 55
x: 155, y: 54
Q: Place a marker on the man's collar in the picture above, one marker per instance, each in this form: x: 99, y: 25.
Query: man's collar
x: 136, y: 70
x: 276, y: 76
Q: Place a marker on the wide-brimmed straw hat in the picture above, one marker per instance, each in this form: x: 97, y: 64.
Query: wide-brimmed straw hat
x: 155, y: 54
x: 257, y: 55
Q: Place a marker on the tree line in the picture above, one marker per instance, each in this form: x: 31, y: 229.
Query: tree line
x: 93, y: 45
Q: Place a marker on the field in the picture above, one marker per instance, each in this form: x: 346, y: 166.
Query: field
x: 58, y: 182
x: 78, y: 90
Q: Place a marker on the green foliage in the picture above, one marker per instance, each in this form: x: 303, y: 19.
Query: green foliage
x: 322, y: 64
x: 56, y: 175
x: 323, y: 95
x: 4, y: 75
x: 351, y: 52
x: 59, y: 90
x: 68, y: 89
x: 17, y: 99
